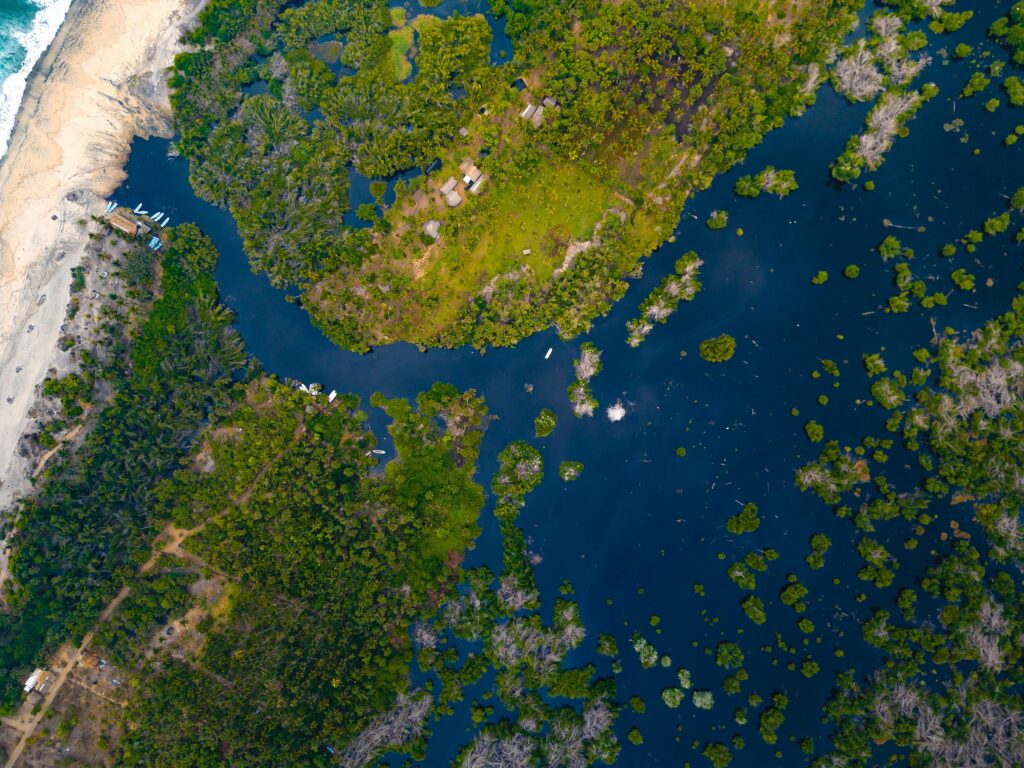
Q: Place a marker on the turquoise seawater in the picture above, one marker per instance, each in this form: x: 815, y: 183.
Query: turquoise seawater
x: 27, y: 27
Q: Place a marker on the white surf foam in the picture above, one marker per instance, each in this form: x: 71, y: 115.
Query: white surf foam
x: 35, y: 41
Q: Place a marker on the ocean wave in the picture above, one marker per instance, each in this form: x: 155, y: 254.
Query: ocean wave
x: 34, y: 41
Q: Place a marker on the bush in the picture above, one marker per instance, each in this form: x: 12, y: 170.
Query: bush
x: 545, y: 423
x: 744, y: 521
x: 718, y: 220
x: 754, y: 608
x: 672, y: 697
x: 718, y: 349
x: 703, y: 699
x: 718, y: 754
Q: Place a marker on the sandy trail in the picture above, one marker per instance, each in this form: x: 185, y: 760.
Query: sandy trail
x: 100, y: 83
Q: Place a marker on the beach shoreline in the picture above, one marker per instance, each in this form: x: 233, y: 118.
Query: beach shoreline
x: 100, y: 83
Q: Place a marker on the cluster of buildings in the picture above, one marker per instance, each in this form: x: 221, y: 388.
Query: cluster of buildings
x: 473, y: 179
x: 534, y: 113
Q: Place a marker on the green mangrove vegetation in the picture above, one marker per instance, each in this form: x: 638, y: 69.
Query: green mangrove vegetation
x: 530, y: 207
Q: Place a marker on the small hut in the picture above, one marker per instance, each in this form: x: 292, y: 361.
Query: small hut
x: 453, y: 199
x: 123, y: 224
x: 478, y: 184
x: 39, y: 681
x: 449, y: 186
x: 432, y: 229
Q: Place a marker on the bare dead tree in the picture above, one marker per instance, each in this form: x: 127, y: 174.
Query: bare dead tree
x: 935, y: 7
x: 638, y: 331
x: 597, y: 719
x: 992, y: 619
x: 994, y: 389
x: 905, y: 69
x: 400, y: 725
x: 588, y: 364
x: 659, y: 311
x: 813, y: 78
x: 817, y: 478
x: 490, y: 752
x: 986, y: 647
x: 887, y: 25
x: 857, y: 77
x: 884, y: 124
x: 565, y: 746
x: 928, y: 731
x: 514, y: 597
x: 582, y: 404
x: 423, y: 636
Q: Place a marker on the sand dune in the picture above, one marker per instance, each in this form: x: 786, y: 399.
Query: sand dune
x: 101, y: 83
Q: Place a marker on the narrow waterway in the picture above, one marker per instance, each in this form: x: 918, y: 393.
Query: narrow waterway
x: 642, y: 525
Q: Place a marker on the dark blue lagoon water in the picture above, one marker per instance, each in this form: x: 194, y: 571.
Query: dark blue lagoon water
x: 642, y: 525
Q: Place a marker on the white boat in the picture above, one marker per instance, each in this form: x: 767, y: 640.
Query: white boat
x: 143, y: 213
x: 166, y: 219
x: 550, y: 350
x: 304, y: 388
x: 157, y: 215
x: 330, y: 397
x: 379, y: 452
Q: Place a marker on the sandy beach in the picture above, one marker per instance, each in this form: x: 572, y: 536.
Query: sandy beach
x: 100, y: 83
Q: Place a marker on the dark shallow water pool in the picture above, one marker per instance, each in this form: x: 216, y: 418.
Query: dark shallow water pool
x: 640, y: 518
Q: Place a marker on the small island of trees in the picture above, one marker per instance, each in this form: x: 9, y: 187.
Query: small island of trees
x: 718, y: 349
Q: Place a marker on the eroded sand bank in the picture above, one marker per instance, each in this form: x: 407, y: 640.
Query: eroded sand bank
x: 100, y: 83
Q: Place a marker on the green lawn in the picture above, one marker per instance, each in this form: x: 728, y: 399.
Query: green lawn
x: 560, y: 203
x: 401, y: 44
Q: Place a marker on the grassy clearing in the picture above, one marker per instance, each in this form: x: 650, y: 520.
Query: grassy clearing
x: 403, y: 40
x: 401, y: 43
x: 560, y: 203
x: 425, y: 20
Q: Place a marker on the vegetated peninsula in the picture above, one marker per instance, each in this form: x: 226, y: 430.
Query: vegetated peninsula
x: 507, y: 196
x: 220, y: 527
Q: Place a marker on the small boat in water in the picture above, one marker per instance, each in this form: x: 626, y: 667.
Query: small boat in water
x: 378, y: 451
x: 550, y: 350
x: 330, y: 397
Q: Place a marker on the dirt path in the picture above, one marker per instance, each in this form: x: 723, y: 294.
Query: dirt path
x: 171, y: 546
x: 45, y: 458
x: 30, y: 726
